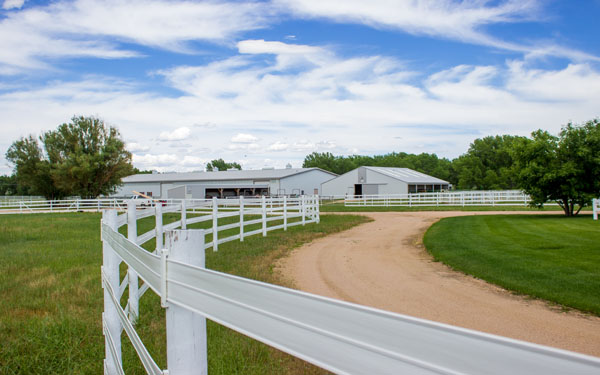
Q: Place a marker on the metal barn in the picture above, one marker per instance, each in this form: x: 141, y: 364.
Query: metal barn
x: 222, y: 184
x: 382, y: 180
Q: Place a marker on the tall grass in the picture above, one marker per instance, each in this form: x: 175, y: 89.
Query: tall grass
x: 50, y: 314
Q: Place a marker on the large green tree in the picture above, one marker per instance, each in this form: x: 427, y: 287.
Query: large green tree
x: 565, y: 169
x: 487, y: 165
x: 84, y: 158
x: 221, y: 165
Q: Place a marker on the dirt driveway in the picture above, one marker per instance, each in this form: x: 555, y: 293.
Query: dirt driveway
x: 384, y: 265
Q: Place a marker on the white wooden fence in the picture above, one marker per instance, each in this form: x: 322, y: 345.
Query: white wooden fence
x: 62, y: 205
x: 461, y: 198
x: 340, y: 337
x: 596, y: 207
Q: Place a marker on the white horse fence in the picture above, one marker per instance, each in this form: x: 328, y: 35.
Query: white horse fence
x: 595, y: 207
x: 461, y: 198
x: 62, y: 205
x: 340, y: 337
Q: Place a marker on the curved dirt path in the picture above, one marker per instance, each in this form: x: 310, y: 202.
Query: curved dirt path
x: 383, y: 264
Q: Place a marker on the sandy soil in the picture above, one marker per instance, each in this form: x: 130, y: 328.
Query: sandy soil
x: 384, y: 265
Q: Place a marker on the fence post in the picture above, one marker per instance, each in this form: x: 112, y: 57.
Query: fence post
x: 241, y: 218
x: 318, y: 211
x: 186, y: 330
x: 303, y: 208
x: 595, y: 208
x: 159, y: 227
x: 110, y: 267
x: 215, y: 228
x: 77, y: 205
x: 132, y: 276
x: 264, y: 215
x: 183, y: 214
x: 285, y: 212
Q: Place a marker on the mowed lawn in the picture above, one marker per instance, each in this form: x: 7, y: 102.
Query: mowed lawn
x: 50, y: 313
x: 545, y: 256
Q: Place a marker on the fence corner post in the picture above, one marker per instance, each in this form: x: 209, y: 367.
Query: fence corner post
x: 186, y: 330
x: 215, y: 223
x: 264, y: 215
x: 183, y: 214
x: 132, y: 276
x: 285, y: 212
x: 159, y: 227
x: 241, y: 218
x: 303, y: 209
x: 110, y: 269
x: 317, y: 211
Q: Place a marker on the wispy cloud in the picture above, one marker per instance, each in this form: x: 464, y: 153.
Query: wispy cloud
x: 178, y: 134
x: 463, y: 21
x: 88, y: 28
x: 12, y: 4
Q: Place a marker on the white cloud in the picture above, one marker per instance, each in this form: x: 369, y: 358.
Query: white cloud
x: 178, y: 134
x: 276, y: 48
x: 326, y: 145
x: 303, y: 146
x: 136, y: 147
x: 370, y: 103
x: 13, y: 4
x: 278, y: 146
x: 464, y: 21
x: 89, y: 28
x: 150, y: 161
x: 193, y: 161
x: 244, y: 147
x: 243, y: 138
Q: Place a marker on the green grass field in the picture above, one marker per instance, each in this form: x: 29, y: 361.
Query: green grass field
x: 545, y: 256
x: 50, y: 314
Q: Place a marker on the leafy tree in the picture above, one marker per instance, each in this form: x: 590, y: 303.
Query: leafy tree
x: 83, y: 158
x: 487, y: 165
x: 141, y: 171
x: 565, y: 169
x: 221, y: 165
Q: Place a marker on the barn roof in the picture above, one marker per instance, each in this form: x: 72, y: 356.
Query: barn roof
x: 407, y: 175
x: 251, y: 174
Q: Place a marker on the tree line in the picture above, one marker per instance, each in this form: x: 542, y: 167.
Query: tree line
x: 87, y: 158
x: 563, y: 168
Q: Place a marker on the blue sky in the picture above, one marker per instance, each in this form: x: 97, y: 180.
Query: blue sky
x: 265, y: 83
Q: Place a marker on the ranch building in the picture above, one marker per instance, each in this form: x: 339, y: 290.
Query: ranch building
x: 382, y: 180
x: 223, y: 184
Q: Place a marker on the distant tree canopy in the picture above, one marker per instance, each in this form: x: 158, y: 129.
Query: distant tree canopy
x: 221, y: 165
x: 9, y: 186
x: 565, y: 169
x: 487, y: 165
x: 425, y: 163
x: 83, y: 158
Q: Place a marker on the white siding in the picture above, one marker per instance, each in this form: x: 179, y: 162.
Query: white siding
x: 340, y: 185
x: 307, y: 182
x: 127, y: 190
x: 387, y: 185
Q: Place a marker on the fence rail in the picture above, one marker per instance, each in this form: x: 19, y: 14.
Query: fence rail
x: 461, y: 198
x: 338, y: 336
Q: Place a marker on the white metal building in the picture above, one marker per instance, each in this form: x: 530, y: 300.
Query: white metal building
x: 382, y: 180
x: 198, y: 185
